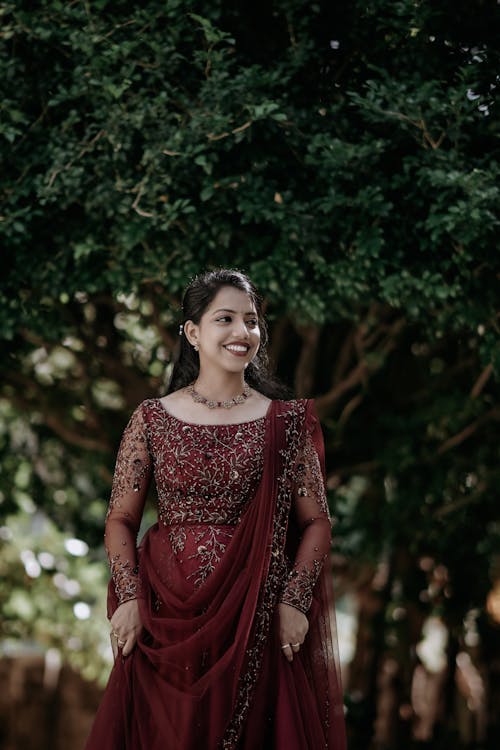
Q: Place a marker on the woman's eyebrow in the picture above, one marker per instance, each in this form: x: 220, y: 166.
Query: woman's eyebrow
x: 224, y: 309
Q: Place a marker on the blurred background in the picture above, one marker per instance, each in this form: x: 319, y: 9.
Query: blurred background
x: 346, y: 156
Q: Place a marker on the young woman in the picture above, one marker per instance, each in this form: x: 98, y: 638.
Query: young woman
x: 223, y: 617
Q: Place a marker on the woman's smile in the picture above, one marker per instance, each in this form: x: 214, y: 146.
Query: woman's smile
x: 237, y: 349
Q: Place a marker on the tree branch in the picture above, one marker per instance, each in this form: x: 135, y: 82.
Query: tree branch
x: 87, y: 147
x: 468, y: 431
x: 359, y: 374
x: 364, y: 467
x: 462, y: 502
x: 70, y: 435
x: 481, y: 381
x: 277, y: 340
x: 348, y: 409
x: 239, y: 129
x: 137, y: 200
x: 344, y: 357
x: 304, y: 371
x: 73, y: 437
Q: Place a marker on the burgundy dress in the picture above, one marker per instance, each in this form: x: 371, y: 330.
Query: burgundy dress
x: 243, y: 524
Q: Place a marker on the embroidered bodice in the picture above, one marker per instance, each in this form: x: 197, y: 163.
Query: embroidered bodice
x: 205, y: 477
x: 205, y: 473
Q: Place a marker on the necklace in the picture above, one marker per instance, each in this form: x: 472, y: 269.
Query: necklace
x: 240, y: 399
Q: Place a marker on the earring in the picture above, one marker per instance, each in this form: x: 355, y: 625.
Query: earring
x: 195, y: 347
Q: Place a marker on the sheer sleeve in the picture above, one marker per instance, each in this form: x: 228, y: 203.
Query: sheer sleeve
x: 313, y: 520
x: 131, y: 481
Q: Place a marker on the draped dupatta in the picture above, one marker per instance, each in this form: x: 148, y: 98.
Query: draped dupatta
x: 208, y: 671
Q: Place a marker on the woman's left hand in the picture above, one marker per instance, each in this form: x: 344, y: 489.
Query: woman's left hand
x: 127, y: 625
x: 293, y: 629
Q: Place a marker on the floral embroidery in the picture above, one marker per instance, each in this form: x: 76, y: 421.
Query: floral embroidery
x: 316, y: 530
x: 131, y: 479
x: 204, y: 477
x: 131, y: 468
x: 125, y: 578
x: 309, y: 476
x: 177, y: 538
x: 300, y: 585
x: 204, y: 474
x: 211, y: 544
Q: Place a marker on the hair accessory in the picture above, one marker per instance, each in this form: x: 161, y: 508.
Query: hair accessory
x: 241, y: 398
x: 181, y: 329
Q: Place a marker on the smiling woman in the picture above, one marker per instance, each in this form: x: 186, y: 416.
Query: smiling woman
x: 224, y: 305
x: 223, y: 617
x: 226, y: 339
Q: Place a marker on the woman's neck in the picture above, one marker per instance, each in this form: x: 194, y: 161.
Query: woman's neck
x: 220, y: 386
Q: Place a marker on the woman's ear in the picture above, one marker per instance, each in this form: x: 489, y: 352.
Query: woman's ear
x: 191, y: 331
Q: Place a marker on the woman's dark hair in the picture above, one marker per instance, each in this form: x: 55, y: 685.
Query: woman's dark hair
x: 197, y: 297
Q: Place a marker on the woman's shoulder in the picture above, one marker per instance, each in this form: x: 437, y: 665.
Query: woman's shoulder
x: 295, y: 403
x: 295, y: 406
x: 170, y: 399
x: 156, y: 401
x: 140, y: 414
x: 145, y: 404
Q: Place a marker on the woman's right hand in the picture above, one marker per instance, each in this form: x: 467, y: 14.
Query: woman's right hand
x: 127, y: 625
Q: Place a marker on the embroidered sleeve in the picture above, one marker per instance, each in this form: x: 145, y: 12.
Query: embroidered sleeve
x: 131, y: 480
x: 313, y: 518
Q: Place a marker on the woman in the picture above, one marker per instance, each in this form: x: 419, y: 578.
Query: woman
x: 223, y: 616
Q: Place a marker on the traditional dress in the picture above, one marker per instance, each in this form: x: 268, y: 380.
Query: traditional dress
x: 243, y: 524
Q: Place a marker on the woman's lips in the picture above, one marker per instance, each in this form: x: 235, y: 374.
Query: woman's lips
x: 239, y: 350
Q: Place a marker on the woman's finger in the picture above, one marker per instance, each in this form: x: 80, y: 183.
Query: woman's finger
x: 287, y: 651
x: 129, y: 645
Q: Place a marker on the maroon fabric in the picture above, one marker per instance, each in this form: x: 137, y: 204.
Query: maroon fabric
x: 208, y: 671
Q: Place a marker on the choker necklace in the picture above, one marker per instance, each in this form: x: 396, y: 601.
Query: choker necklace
x: 240, y: 399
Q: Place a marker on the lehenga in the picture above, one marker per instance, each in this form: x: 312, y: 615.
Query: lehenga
x: 243, y: 524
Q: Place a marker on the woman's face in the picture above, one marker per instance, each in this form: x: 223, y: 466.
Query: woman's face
x: 228, y: 334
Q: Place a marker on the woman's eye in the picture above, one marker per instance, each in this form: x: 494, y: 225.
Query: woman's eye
x: 251, y: 323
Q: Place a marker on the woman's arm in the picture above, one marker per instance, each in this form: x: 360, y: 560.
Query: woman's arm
x: 310, y: 508
x: 313, y: 519
x: 132, y: 476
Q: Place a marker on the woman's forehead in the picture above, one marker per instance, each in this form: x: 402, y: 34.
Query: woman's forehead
x: 232, y: 300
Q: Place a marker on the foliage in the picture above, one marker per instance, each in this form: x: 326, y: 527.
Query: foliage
x: 345, y: 155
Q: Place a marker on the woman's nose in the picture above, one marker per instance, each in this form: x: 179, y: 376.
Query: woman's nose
x: 240, y: 329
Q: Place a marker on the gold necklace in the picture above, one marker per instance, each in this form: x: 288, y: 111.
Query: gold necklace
x: 240, y: 399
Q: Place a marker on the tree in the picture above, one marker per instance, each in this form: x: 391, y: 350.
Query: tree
x: 346, y: 157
